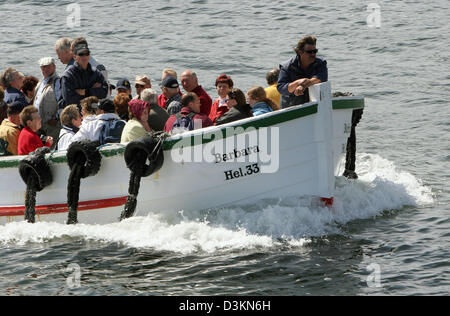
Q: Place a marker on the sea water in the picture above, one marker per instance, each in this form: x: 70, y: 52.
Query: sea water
x: 387, y: 232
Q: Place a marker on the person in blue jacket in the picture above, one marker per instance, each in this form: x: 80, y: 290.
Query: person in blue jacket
x: 300, y: 72
x: 13, y: 81
x: 258, y: 101
x: 80, y: 80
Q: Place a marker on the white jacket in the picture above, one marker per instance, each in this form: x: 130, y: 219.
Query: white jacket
x: 91, y: 126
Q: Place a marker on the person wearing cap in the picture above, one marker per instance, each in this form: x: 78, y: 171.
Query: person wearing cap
x: 170, y: 90
x: 137, y: 126
x: 10, y: 127
x: 167, y: 72
x: 29, y: 140
x: 45, y: 99
x: 80, y: 80
x: 224, y: 85
x: 124, y: 86
x: 12, y: 80
x: 91, y: 130
x: 141, y: 83
x: 189, y: 81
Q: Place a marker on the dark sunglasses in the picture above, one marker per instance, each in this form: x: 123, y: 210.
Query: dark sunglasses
x: 312, y: 51
x: 138, y: 86
x: 83, y: 54
x: 231, y: 96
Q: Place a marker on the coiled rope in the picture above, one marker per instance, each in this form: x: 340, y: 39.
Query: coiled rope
x: 84, y: 160
x: 35, y: 172
x: 136, y: 155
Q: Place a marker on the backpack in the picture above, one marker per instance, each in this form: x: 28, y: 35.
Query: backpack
x: 184, y: 123
x: 111, y: 131
x: 3, y: 148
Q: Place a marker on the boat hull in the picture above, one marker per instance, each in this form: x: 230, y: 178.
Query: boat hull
x: 291, y: 152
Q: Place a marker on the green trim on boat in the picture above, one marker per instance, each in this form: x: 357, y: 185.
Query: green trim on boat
x: 348, y: 104
x: 270, y: 120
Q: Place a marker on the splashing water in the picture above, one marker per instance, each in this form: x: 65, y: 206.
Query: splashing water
x: 267, y: 224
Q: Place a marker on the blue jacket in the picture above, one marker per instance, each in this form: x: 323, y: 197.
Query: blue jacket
x: 74, y: 77
x: 291, y: 71
x: 261, y: 108
x: 12, y: 95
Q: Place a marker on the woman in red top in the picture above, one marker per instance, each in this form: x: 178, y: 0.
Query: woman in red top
x: 29, y: 140
x: 224, y: 85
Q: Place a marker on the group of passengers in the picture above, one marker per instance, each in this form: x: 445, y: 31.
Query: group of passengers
x: 57, y: 111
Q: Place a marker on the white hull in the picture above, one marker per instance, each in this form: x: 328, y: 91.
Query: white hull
x: 311, y: 144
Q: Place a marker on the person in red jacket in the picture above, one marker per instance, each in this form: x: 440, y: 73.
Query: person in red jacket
x: 189, y: 81
x: 190, y: 110
x: 29, y: 140
x: 224, y: 85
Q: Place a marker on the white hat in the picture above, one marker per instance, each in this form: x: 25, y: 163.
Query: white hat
x: 46, y: 61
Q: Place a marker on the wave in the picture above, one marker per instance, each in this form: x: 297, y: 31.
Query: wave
x: 290, y: 222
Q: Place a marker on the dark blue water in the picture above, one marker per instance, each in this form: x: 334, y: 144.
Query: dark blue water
x: 388, y: 232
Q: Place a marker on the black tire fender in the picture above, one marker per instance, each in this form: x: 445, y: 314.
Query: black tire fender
x: 86, y: 153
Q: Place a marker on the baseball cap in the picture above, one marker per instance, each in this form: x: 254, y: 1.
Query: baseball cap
x: 80, y: 48
x: 106, y: 105
x: 16, y: 107
x: 123, y: 84
x: 45, y: 61
x: 170, y: 82
x: 142, y: 80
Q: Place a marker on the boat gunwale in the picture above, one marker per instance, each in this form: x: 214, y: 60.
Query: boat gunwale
x: 265, y: 120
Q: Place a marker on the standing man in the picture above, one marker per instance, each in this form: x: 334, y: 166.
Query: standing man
x: 300, y: 72
x: 189, y: 81
x: 46, y: 100
x: 80, y: 80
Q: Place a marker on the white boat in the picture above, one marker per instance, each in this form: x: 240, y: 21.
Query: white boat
x: 296, y: 151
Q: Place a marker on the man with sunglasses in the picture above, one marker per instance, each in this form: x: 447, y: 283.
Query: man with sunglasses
x: 300, y: 72
x: 80, y: 80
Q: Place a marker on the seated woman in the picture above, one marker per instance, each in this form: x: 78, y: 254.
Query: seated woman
x: 29, y: 140
x: 259, y: 102
x: 238, y: 108
x: 71, y: 122
x: 138, y: 125
x: 224, y: 85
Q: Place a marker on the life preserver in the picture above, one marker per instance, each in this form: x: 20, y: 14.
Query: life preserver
x: 85, y: 153
x: 145, y: 146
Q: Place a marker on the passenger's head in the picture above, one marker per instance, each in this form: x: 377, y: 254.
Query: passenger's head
x: 170, y: 86
x: 236, y: 97
x: 272, y: 76
x: 14, y: 110
x: 48, y: 66
x: 139, y: 109
x: 141, y: 83
x: 150, y: 96
x: 306, y: 49
x: 70, y: 116
x: 224, y: 84
x: 121, y: 104
x: 29, y: 117
x: 81, y: 52
x: 28, y: 86
x: 258, y: 94
x: 63, y: 50
x: 12, y: 78
x: 89, y: 106
x: 168, y: 72
x: 123, y: 86
x: 2, y: 95
x: 106, y: 106
x: 189, y: 80
x: 192, y: 101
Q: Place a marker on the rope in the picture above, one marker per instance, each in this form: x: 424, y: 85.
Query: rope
x: 30, y: 198
x: 137, y: 169
x: 73, y: 192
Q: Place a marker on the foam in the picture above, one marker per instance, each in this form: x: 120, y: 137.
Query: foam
x: 289, y: 222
